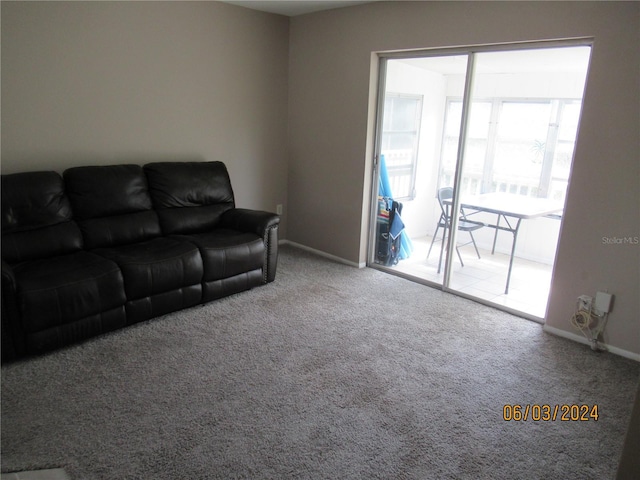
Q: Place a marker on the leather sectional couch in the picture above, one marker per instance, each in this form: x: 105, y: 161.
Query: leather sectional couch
x: 102, y: 247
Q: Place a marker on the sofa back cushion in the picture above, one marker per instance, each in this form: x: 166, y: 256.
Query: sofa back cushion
x: 36, y: 217
x: 111, y: 204
x: 189, y: 196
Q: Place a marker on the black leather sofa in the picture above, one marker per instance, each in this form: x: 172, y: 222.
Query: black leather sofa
x: 102, y: 247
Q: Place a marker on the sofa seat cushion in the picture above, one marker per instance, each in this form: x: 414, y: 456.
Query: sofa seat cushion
x: 227, y: 253
x: 62, y: 289
x: 156, y: 266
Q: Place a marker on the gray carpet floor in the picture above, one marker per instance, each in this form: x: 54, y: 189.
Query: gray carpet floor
x: 329, y: 372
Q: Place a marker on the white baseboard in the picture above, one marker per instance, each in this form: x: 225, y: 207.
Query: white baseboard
x: 582, y: 339
x: 323, y: 254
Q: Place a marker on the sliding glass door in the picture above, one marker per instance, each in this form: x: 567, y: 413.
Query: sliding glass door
x: 475, y: 149
x: 410, y: 130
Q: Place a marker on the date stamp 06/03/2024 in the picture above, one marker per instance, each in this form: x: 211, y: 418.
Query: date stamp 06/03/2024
x: 550, y: 413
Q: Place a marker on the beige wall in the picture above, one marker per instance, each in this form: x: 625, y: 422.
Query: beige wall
x: 330, y: 148
x: 111, y: 82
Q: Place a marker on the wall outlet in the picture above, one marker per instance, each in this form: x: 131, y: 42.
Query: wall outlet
x: 584, y: 303
x: 279, y: 209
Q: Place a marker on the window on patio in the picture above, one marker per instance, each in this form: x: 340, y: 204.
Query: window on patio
x: 513, y: 146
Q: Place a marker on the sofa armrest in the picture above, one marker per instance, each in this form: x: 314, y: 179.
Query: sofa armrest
x: 246, y: 220
x: 13, y: 345
x: 261, y: 223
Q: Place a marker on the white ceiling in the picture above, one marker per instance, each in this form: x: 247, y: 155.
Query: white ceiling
x: 520, y: 61
x: 291, y: 8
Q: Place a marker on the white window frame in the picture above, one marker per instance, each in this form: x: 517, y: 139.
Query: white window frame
x: 403, y: 173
